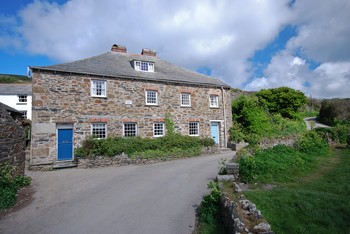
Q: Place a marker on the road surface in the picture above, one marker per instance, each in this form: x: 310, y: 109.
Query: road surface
x: 157, y: 198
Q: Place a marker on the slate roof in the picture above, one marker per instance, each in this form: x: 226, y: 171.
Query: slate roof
x: 16, y: 89
x: 10, y: 109
x: 117, y: 64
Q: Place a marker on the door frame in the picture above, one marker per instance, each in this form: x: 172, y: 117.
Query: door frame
x: 65, y: 126
x: 219, y: 127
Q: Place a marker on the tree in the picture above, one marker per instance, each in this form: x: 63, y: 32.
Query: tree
x: 285, y: 101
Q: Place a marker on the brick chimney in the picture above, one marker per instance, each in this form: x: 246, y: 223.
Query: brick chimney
x: 148, y: 52
x: 118, y: 48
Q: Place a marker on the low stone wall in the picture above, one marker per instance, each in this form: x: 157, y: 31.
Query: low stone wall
x: 12, y: 142
x: 124, y: 160
x: 269, y: 143
x: 235, y: 214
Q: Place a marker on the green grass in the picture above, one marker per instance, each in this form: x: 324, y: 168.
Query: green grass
x: 315, y: 203
x: 215, y: 227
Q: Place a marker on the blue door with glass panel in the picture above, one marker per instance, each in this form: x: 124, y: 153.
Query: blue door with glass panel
x: 214, y: 126
x: 65, y: 144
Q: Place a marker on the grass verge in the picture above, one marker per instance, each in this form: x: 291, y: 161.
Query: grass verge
x: 315, y: 203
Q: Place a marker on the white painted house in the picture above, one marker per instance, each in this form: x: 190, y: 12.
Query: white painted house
x: 18, y: 96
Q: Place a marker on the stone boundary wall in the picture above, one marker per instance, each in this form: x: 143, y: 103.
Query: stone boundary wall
x: 235, y: 214
x: 12, y: 142
x: 269, y: 143
x: 124, y: 160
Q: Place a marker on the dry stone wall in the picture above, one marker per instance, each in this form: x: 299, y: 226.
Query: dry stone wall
x: 240, y: 215
x: 12, y: 142
x: 66, y: 98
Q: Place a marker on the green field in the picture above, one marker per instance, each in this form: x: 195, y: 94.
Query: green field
x: 7, y: 78
x: 318, y: 202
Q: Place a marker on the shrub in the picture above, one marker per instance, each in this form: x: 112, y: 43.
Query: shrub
x: 144, y: 147
x: 279, y: 162
x: 285, y: 101
x: 210, y: 205
x: 10, y: 183
x: 312, y: 143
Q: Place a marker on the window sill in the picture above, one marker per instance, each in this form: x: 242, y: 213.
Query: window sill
x: 214, y: 107
x: 22, y: 103
x: 103, y: 97
x: 186, y: 106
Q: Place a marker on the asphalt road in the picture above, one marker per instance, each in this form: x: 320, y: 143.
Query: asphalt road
x: 158, y: 198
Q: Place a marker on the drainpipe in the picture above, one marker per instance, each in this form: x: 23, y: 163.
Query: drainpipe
x: 224, y: 110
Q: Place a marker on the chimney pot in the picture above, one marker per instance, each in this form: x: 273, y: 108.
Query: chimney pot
x: 148, y: 52
x: 118, y: 48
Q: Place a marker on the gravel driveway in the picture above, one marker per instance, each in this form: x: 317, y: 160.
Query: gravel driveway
x: 158, y: 198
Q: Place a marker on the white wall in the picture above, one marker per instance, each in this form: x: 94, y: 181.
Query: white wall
x: 12, y: 101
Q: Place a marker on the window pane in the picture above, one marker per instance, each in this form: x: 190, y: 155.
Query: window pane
x: 193, y: 128
x: 130, y: 129
x: 99, y: 130
x: 99, y: 88
x: 144, y: 66
x: 158, y: 129
x: 22, y: 98
x: 151, y: 97
x: 214, y: 101
x: 185, y: 99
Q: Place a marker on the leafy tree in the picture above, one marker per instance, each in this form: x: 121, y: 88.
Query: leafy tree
x: 335, y: 111
x: 285, y: 101
x: 250, y: 117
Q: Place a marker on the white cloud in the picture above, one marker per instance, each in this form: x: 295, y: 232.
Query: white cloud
x: 284, y: 70
x: 220, y: 35
x: 323, y: 36
x: 324, y: 31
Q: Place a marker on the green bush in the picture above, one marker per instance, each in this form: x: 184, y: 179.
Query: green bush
x: 10, y: 183
x: 143, y: 147
x: 312, y: 143
x: 210, y: 205
x: 336, y: 134
x: 252, y: 121
x: 283, y: 100
x: 279, y: 162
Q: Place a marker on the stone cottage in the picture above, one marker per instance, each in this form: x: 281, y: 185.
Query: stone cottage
x: 122, y: 94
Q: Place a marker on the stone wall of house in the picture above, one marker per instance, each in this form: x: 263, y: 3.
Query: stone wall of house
x: 12, y: 142
x: 65, y: 98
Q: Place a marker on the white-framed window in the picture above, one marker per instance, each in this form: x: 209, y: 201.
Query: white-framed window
x: 185, y: 99
x: 22, y: 99
x: 99, y: 130
x: 158, y: 129
x: 130, y: 129
x: 98, y: 88
x: 24, y: 114
x: 151, y: 97
x: 214, y: 101
x: 144, y: 66
x: 193, y: 128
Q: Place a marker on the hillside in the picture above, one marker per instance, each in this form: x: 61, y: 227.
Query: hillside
x: 8, y: 78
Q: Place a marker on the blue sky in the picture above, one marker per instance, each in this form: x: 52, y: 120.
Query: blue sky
x: 249, y: 44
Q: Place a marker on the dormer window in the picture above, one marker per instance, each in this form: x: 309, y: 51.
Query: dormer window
x: 144, y: 66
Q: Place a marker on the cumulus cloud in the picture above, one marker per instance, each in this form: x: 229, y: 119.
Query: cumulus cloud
x: 323, y: 36
x: 220, y: 35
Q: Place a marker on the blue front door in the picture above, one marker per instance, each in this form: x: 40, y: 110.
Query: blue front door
x: 214, y: 126
x: 65, y: 144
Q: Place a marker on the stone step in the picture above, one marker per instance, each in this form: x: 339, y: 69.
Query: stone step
x: 65, y: 164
